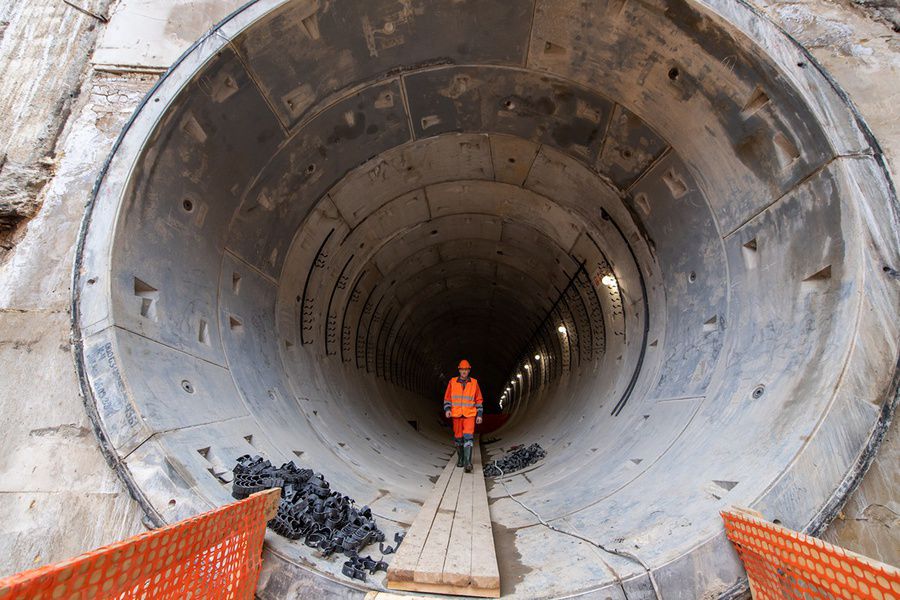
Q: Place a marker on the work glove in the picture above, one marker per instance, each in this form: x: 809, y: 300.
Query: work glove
x: 478, y: 420
x: 447, y: 414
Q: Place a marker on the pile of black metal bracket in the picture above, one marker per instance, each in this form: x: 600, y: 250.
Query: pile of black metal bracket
x: 514, y: 461
x: 312, y: 511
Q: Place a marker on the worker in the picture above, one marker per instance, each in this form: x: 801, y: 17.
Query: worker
x: 462, y: 403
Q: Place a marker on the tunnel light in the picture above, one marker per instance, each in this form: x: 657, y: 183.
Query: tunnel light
x: 527, y: 367
x: 537, y: 357
x: 609, y: 281
x: 519, y: 375
x: 561, y: 329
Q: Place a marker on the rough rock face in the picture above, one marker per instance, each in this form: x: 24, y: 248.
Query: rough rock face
x: 829, y: 26
x: 870, y: 519
x: 886, y: 10
x: 20, y: 186
x: 44, y: 50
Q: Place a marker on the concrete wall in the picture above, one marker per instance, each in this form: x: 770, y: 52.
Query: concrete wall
x: 58, y: 122
x: 860, y: 48
x: 57, y: 494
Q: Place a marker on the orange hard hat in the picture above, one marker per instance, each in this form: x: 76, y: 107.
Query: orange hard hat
x: 464, y: 364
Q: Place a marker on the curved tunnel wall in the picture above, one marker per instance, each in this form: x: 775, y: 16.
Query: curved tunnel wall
x: 321, y: 208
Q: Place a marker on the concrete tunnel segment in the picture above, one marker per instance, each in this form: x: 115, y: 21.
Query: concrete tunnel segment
x: 323, y: 206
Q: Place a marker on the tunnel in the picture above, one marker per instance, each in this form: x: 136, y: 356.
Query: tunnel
x: 658, y: 230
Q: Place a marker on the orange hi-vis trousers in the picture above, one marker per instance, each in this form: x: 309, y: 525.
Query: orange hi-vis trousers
x: 464, y: 429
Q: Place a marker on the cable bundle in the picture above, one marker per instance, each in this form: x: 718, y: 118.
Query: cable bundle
x: 310, y: 510
x: 514, y: 461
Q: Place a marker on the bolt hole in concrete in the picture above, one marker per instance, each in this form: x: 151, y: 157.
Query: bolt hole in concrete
x: 349, y: 314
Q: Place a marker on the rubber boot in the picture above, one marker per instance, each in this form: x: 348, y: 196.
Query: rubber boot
x: 460, y: 457
x: 467, y: 457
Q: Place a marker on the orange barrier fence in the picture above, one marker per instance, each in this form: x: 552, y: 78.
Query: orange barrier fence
x: 783, y: 564
x: 213, y: 555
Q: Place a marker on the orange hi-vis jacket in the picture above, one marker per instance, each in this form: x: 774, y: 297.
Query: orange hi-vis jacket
x: 463, y: 400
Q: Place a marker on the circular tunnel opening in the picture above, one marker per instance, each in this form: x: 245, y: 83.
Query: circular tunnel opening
x: 649, y: 235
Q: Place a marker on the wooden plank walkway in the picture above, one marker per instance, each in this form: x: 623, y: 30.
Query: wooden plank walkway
x: 449, y: 549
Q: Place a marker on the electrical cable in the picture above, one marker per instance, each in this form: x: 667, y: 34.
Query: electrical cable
x: 622, y: 553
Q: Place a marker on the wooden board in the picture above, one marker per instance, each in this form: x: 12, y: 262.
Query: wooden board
x: 443, y: 588
x: 449, y: 549
x: 484, y: 556
x: 458, y: 560
x: 404, y: 564
x: 431, y: 561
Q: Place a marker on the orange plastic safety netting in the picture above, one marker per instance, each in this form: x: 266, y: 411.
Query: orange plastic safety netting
x: 213, y: 555
x: 784, y: 564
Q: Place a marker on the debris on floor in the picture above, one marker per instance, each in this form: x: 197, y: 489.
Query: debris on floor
x: 516, y: 460
x: 325, y: 519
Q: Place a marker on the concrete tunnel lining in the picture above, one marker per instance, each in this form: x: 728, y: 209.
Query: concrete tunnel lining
x: 258, y: 272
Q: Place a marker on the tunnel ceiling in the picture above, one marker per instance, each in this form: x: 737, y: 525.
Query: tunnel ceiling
x: 649, y: 226
x: 472, y: 264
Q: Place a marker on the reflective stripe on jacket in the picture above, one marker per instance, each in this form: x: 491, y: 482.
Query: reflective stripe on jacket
x: 463, y: 400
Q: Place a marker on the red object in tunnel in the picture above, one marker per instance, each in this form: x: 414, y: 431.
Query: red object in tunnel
x: 491, y: 422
